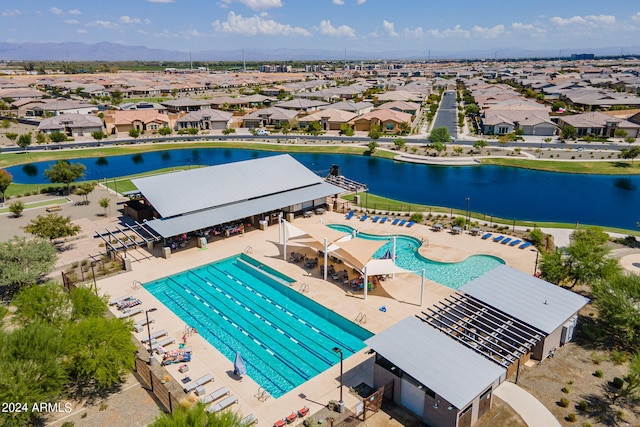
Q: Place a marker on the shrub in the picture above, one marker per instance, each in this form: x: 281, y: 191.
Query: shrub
x: 564, y: 402
x: 596, y: 358
x: 571, y: 418
x: 565, y: 390
x: 598, y: 373
x: 617, y: 382
x: 416, y: 217
x: 570, y: 382
x: 618, y: 357
x: 583, y: 405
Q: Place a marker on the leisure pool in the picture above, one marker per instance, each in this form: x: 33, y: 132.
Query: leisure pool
x: 240, y: 304
x: 451, y: 274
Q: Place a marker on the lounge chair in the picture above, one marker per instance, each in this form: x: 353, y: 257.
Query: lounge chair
x: 403, y: 222
x: 395, y: 221
x: 349, y: 215
x: 505, y: 241
x: 224, y: 403
x: 498, y: 238
x: 383, y: 220
x: 160, y: 333
x: 190, y: 386
x: 410, y: 223
x: 122, y: 298
x: 375, y: 219
x: 364, y: 217
x: 212, y: 397
x: 486, y: 236
x: 166, y: 341
x: 131, y: 312
x: 248, y: 420
x: 303, y: 412
x: 141, y: 324
x: 525, y: 245
x: 515, y: 242
x: 291, y: 418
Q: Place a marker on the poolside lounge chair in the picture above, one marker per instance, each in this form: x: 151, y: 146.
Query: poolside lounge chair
x: 525, y: 245
x: 401, y: 223
x: 410, y: 223
x: 486, y: 236
x: 383, y: 220
x: 212, y: 397
x: 515, y: 242
x: 131, y: 312
x: 505, y: 241
x: 166, y: 341
x: 190, y: 386
x: 349, y: 215
x: 364, y: 217
x: 395, y: 221
x: 303, y: 412
x: 248, y: 420
x: 141, y: 324
x: 224, y: 403
x: 498, y: 238
x: 375, y: 219
x: 122, y: 298
x: 160, y: 333
x: 292, y: 417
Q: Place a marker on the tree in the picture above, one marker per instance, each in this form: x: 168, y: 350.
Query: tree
x: 375, y: 132
x: 24, y: 261
x: 98, y: 135
x: 471, y: 109
x: 85, y: 303
x: 587, y: 257
x: 632, y: 379
x: 164, y: 131
x: 104, y: 204
x: 5, y: 124
x: 480, y: 144
x: 41, y: 138
x: 16, y: 208
x: 617, y: 300
x: 404, y: 128
x: 11, y: 136
x: 5, y: 181
x: 116, y: 97
x: 91, y: 360
x: 536, y: 237
x: 346, y: 129
x: 440, y: 134
x: 314, y: 127
x: 458, y: 150
x: 52, y: 227
x: 65, y: 172
x: 438, y: 146
x: 84, y: 189
x: 47, y: 303
x: 620, y: 133
x: 134, y: 133
x: 630, y: 153
x: 568, y: 132
x: 372, y: 145
x: 198, y: 416
x: 285, y: 128
x: 552, y: 267
x: 558, y: 105
x: 399, y: 143
x: 24, y: 140
x: 57, y: 137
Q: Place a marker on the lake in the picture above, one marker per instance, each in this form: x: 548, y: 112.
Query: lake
x: 493, y: 190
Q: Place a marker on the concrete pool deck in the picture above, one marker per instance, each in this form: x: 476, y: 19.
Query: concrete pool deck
x: 400, y: 296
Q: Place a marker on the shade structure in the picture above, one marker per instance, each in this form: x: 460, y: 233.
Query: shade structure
x: 376, y: 267
x: 238, y: 365
x: 358, y: 252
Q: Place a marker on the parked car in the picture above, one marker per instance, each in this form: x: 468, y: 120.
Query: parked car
x: 262, y: 132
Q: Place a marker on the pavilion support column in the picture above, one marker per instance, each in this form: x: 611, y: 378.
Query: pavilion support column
x: 422, y: 290
x: 325, y: 258
x: 284, y: 238
x: 366, y: 282
x: 393, y: 254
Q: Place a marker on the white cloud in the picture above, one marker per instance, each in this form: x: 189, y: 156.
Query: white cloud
x: 489, y: 32
x: 104, y: 24
x: 342, y: 31
x: 237, y: 24
x: 636, y: 17
x: 256, y: 4
x: 11, y: 12
x: 129, y: 20
x: 72, y: 21
x: 339, y: 2
x: 533, y: 29
x: 81, y: 31
x: 389, y: 27
x: 416, y: 32
x: 361, y: 2
x: 55, y: 11
x: 590, y: 20
x: 455, y: 32
x: 74, y: 12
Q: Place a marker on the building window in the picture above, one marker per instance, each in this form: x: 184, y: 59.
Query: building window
x: 390, y: 126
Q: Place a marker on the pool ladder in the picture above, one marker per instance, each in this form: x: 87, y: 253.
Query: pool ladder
x: 262, y: 394
x: 304, y: 287
x: 248, y: 250
x: 361, y: 318
x: 136, y: 284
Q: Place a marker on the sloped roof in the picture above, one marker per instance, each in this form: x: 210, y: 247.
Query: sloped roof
x: 274, y: 113
x: 71, y: 121
x: 332, y: 115
x: 214, y: 116
x: 386, y: 115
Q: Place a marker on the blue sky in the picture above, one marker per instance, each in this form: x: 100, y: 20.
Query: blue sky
x: 362, y: 25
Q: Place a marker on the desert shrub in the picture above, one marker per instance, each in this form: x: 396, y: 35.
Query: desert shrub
x: 571, y: 418
x: 598, y: 373
x: 619, y: 357
x: 617, y: 382
x: 583, y: 405
x: 564, y: 402
x: 596, y: 358
x: 565, y: 390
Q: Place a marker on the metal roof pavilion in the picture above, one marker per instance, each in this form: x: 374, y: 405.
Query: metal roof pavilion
x: 534, y: 301
x: 451, y: 370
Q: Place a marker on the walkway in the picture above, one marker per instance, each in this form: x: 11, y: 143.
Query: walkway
x: 530, y: 409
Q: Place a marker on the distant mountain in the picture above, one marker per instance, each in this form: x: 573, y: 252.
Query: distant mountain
x: 117, y: 52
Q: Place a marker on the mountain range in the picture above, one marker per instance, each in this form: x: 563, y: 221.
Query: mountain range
x: 106, y: 51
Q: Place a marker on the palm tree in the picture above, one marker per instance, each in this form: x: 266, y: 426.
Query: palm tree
x: 198, y: 416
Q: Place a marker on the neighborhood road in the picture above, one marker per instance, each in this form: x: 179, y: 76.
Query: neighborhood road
x: 448, y: 114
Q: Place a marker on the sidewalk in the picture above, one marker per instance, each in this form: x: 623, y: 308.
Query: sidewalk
x: 530, y: 409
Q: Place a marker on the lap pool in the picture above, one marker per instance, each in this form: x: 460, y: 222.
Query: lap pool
x: 240, y: 304
x: 451, y: 274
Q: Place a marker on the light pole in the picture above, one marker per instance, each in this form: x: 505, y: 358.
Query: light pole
x: 146, y: 313
x: 340, y: 402
x: 468, y: 213
x: 93, y: 275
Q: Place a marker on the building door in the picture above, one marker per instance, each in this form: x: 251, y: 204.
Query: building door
x: 412, y: 398
x: 464, y: 419
x: 485, y: 403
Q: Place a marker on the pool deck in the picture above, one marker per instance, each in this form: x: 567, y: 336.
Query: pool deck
x: 400, y: 296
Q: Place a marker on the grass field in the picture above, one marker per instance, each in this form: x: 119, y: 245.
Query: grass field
x: 601, y: 168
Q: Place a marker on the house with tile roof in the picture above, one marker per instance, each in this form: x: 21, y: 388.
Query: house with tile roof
x: 208, y: 119
x: 146, y: 121
x: 268, y: 117
x: 358, y: 108
x: 329, y: 119
x: 388, y: 120
x: 72, y: 125
x: 599, y: 124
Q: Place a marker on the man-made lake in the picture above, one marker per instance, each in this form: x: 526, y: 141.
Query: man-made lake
x: 493, y: 190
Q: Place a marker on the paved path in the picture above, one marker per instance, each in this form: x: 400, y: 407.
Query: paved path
x: 530, y: 409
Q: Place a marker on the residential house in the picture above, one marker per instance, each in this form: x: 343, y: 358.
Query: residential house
x: 72, y: 124
x: 186, y: 105
x: 412, y: 108
x: 358, y: 108
x: 530, y: 122
x: 54, y: 107
x: 329, y: 119
x: 303, y: 105
x: 208, y: 119
x: 148, y: 121
x: 268, y: 117
x: 399, y: 95
x: 388, y: 120
x: 599, y: 124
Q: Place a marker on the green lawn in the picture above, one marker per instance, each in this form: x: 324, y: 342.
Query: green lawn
x: 57, y: 201
x: 613, y: 167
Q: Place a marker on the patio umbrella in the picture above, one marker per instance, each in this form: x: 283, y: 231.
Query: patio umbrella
x: 387, y: 255
x: 238, y: 365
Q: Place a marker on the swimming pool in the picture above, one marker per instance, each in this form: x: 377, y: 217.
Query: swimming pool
x: 451, y: 274
x: 240, y: 304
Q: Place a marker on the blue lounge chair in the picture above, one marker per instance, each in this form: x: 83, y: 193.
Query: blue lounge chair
x: 498, y: 238
x: 375, y: 219
x: 515, y: 242
x: 395, y: 221
x: 525, y: 245
x: 383, y: 220
x: 410, y: 223
x: 349, y: 215
x: 505, y: 241
x: 401, y: 223
x: 364, y: 217
x: 486, y: 236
